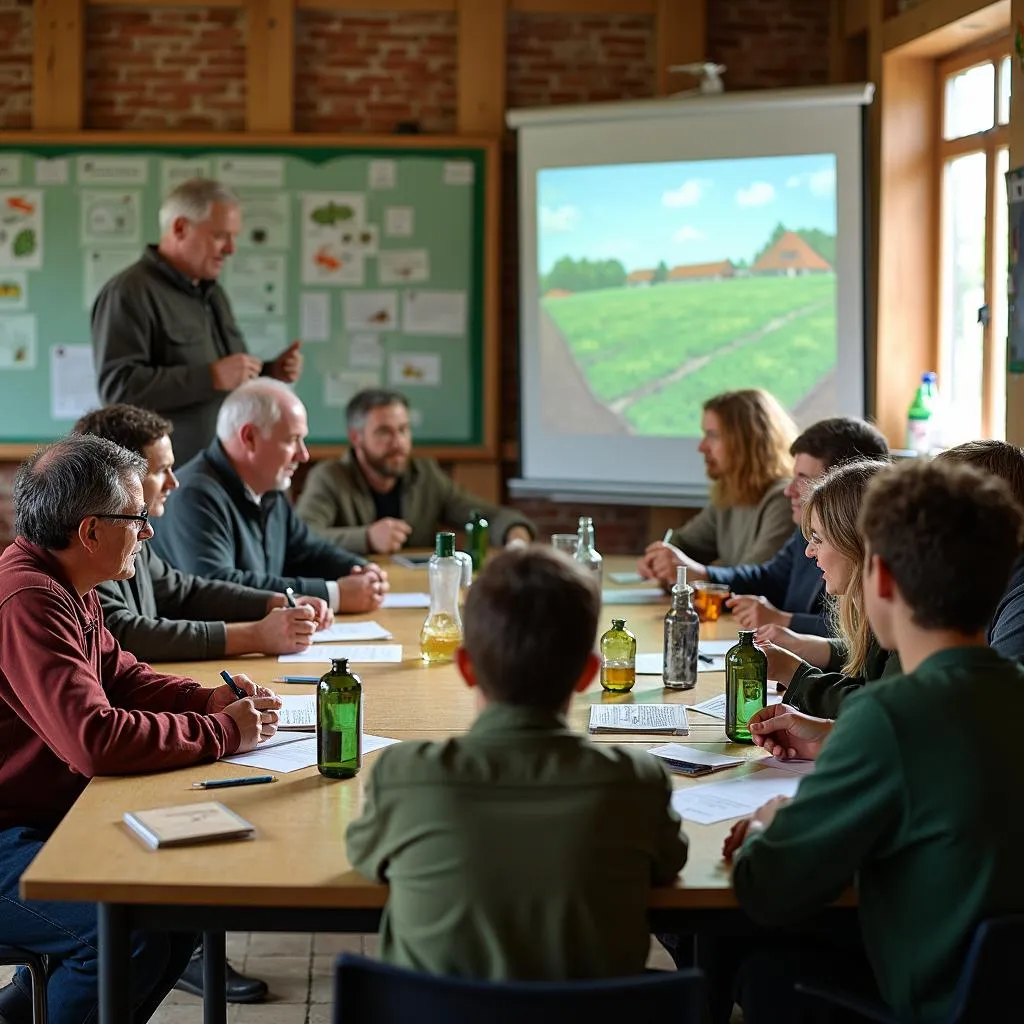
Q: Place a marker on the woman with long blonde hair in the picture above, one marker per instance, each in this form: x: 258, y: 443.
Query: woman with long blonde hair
x: 746, y: 441
x: 833, y: 668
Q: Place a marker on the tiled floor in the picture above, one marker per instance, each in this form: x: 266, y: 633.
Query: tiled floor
x: 298, y: 968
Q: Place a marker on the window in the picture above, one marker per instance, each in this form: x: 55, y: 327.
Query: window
x: 973, y: 159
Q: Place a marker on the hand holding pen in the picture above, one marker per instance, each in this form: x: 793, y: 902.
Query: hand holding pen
x: 252, y: 708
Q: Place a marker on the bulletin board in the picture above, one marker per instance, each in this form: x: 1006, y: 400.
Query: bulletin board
x: 379, y: 254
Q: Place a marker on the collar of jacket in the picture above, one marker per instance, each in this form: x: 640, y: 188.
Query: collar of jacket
x: 171, y: 273
x: 240, y: 495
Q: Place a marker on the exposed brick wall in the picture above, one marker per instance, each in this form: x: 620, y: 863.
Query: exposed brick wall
x: 15, y: 64
x: 173, y: 68
x: 368, y: 72
x: 770, y: 44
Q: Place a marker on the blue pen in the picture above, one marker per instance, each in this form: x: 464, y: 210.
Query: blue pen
x: 247, y: 780
x: 235, y: 688
x: 297, y: 679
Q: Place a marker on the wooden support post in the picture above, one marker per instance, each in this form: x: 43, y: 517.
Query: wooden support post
x: 58, y: 65
x: 1015, y: 381
x: 482, y: 59
x: 270, y: 66
x: 681, y: 31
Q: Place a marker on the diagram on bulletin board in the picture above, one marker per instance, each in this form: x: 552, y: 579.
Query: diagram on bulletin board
x: 374, y: 258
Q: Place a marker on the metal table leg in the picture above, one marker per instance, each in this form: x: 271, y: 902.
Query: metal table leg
x: 115, y: 964
x: 215, y: 1007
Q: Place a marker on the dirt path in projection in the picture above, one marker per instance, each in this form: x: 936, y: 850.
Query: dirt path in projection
x: 653, y: 387
x: 567, y: 403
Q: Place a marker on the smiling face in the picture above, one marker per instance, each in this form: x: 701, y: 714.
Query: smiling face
x: 836, y: 568
x: 713, y: 446
x: 806, y: 470
x: 276, y: 455
x: 200, y: 247
x: 160, y: 479
x: 385, y: 441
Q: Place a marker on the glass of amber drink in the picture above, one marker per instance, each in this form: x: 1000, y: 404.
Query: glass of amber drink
x: 708, y: 599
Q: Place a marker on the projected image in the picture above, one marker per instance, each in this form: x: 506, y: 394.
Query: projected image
x: 664, y: 284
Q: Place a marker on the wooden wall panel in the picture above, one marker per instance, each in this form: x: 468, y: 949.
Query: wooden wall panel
x: 58, y: 65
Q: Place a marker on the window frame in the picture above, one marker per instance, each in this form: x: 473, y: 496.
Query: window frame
x: 990, y: 142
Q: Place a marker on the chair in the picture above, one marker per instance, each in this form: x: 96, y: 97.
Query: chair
x: 13, y: 956
x: 988, y: 985
x: 369, y: 992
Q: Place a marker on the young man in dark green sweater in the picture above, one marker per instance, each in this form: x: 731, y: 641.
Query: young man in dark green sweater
x: 908, y: 797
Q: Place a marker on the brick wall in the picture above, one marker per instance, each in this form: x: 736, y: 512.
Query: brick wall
x: 185, y: 69
x: 368, y: 72
x: 174, y: 68
x: 15, y: 63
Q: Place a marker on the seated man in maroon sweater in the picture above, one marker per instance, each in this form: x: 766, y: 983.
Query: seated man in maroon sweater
x: 73, y: 705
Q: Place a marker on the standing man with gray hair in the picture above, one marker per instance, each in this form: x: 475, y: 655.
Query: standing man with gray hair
x: 163, y: 333
x: 74, y: 705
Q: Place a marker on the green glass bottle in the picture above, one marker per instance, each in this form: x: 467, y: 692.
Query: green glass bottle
x: 618, y: 658
x: 746, y: 686
x: 339, y: 722
x: 478, y: 537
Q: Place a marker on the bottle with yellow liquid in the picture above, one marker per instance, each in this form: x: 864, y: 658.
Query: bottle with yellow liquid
x: 442, y: 631
x: 618, y: 658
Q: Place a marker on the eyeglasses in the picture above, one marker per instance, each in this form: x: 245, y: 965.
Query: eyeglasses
x: 142, y: 518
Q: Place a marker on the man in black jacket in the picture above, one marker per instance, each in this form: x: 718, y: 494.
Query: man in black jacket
x: 231, y: 520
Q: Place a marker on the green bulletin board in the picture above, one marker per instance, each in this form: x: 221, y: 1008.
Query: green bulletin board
x: 374, y: 255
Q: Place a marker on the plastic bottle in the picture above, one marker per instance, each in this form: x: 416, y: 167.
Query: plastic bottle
x: 442, y: 629
x: 922, y: 416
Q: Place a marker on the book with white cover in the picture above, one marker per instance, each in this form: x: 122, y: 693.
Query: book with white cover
x: 205, y: 822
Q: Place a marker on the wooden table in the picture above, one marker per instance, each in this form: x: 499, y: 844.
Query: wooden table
x: 296, y: 876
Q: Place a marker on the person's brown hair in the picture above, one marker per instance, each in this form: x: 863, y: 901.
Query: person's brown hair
x: 994, y: 458
x: 530, y: 622
x: 949, y: 535
x: 757, y: 432
x: 836, y: 499
x: 127, y: 425
x: 840, y: 439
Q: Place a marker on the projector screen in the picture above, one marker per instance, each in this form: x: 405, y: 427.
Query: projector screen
x: 674, y: 249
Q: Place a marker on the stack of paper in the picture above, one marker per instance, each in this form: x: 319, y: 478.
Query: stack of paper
x: 692, y: 761
x: 356, y: 653
x: 639, y: 718
x: 736, y: 798
x: 290, y: 751
x: 339, y: 632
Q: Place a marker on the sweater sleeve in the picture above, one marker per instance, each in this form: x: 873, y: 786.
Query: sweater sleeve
x: 181, y: 595
x: 769, y: 579
x: 310, y: 555
x: 816, y: 624
x: 122, y: 348
x: 126, y: 719
x: 319, y: 507
x: 366, y: 838
x: 820, y: 693
x: 774, y: 529
x: 699, y: 537
x: 846, y: 809
x: 456, y: 505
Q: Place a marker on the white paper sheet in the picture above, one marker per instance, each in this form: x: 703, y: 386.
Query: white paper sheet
x: 298, y: 711
x: 459, y: 172
x: 403, y: 266
x: 289, y: 751
x: 52, y: 172
x: 399, y: 221
x: 110, y: 217
x: 635, y: 595
x: 714, y: 707
x: 174, y: 172
x: 366, y: 352
x: 653, y: 663
x: 72, y: 382
x: 410, y: 600
x: 625, y: 577
x: 370, y: 311
x: 434, y: 312
x: 10, y: 170
x: 264, y: 338
x: 381, y: 174
x: 733, y: 798
x: 341, y: 632
x: 639, y: 718
x: 243, y: 171
x: 21, y: 228
x: 266, y: 220
x: 99, y: 169
x: 256, y: 284
x: 797, y: 767
x: 414, y: 369
x: 695, y: 755
x: 18, y: 341
x: 356, y: 654
x: 13, y: 291
x: 341, y: 385
x: 315, y: 316
x: 99, y: 265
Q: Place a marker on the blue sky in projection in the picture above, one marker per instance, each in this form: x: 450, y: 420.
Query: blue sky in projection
x: 683, y: 212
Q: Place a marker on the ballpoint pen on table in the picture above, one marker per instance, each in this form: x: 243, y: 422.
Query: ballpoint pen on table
x: 297, y: 679
x: 247, y: 780
x: 706, y: 658
x: 235, y: 688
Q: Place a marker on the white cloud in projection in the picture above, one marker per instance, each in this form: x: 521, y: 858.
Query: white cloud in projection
x: 559, y: 219
x: 760, y: 193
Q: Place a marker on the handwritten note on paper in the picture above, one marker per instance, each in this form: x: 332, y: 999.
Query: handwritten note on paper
x: 733, y: 798
x: 639, y: 718
x: 298, y: 711
x: 356, y: 653
x: 340, y: 632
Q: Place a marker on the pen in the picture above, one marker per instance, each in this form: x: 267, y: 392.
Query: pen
x: 668, y: 536
x: 235, y: 688
x: 248, y: 780
x: 289, y: 596
x: 297, y: 679
x: 706, y: 658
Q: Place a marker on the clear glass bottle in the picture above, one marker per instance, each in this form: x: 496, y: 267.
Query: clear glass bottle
x: 339, y: 722
x: 478, y: 538
x: 682, y: 637
x: 586, y: 552
x: 442, y: 630
x: 618, y: 658
x: 746, y: 686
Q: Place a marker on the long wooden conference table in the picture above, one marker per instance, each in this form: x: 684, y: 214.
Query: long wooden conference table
x: 295, y: 876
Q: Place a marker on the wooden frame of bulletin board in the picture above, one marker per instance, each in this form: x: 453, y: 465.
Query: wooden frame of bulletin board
x: 265, y: 144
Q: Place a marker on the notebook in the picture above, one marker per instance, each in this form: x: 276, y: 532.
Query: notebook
x: 692, y: 761
x: 639, y: 718
x: 186, y: 824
